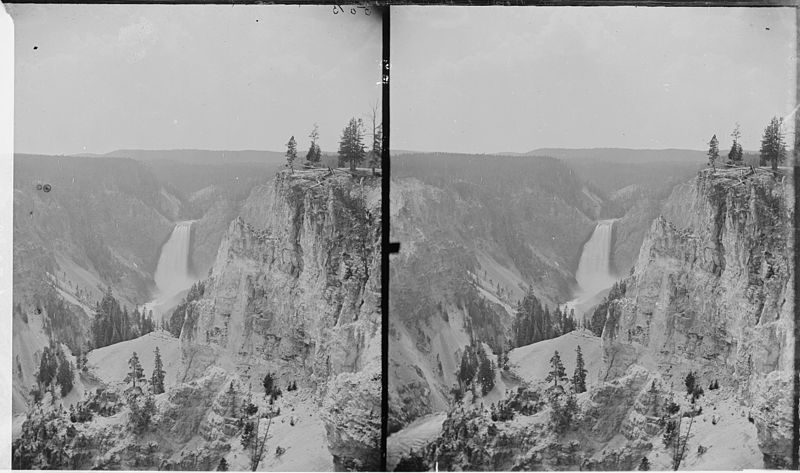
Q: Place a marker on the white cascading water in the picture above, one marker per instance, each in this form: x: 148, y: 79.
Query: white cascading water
x: 172, y: 272
x: 594, y: 268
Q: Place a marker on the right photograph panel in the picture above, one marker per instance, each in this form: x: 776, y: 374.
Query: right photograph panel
x: 595, y: 214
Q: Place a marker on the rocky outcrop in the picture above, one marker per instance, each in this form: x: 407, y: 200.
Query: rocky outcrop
x: 471, y: 441
x: 351, y: 412
x: 295, y: 290
x: 711, y: 292
x: 186, y: 411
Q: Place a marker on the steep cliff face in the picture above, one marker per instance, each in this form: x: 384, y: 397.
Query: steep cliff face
x: 711, y: 292
x: 295, y: 290
x: 642, y: 207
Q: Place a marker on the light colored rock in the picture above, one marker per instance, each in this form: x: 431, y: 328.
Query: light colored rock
x: 712, y: 293
x: 351, y: 412
x: 295, y: 290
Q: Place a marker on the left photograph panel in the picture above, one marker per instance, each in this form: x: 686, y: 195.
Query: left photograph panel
x: 196, y: 238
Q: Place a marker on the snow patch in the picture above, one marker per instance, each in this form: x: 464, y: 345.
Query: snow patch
x: 110, y: 363
x: 531, y: 363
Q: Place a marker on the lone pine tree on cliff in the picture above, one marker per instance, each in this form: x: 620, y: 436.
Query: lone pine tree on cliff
x: 736, y: 154
x: 291, y: 153
x: 351, y: 145
x: 713, y: 152
x: 314, y: 152
x: 773, y: 144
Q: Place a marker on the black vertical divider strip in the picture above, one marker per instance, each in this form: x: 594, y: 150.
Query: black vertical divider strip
x: 796, y: 176
x: 385, y: 175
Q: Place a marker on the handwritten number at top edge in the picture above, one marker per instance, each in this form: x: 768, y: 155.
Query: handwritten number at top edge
x: 353, y: 10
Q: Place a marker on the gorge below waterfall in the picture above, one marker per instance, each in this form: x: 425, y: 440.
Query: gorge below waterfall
x: 594, y: 269
x: 172, y: 273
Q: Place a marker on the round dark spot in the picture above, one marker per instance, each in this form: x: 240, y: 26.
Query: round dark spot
x: 46, y: 188
x: 36, y: 47
x: 31, y: 213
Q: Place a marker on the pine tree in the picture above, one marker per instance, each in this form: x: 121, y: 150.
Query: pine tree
x: 689, y: 381
x: 142, y: 412
x: 713, y: 151
x: 735, y: 155
x: 268, y: 384
x: 223, y: 465
x: 557, y: 372
x: 48, y: 366
x: 314, y: 153
x: 485, y: 372
x: 136, y: 372
x: 291, y: 153
x: 579, y: 377
x: 773, y: 145
x: 670, y: 433
x: 65, y: 377
x: 351, y: 145
x: 469, y: 366
x: 248, y: 434
x: 231, y: 393
x: 644, y: 465
x: 157, y: 379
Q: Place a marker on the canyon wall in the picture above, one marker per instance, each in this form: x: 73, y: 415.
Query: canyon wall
x: 712, y: 292
x: 295, y: 290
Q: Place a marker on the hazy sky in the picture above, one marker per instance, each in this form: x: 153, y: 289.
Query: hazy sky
x: 486, y: 79
x: 213, y: 77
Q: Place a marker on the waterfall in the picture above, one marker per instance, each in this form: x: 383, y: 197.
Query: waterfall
x: 594, y: 267
x: 172, y: 272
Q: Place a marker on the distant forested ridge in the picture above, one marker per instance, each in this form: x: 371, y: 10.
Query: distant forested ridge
x: 109, y: 217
